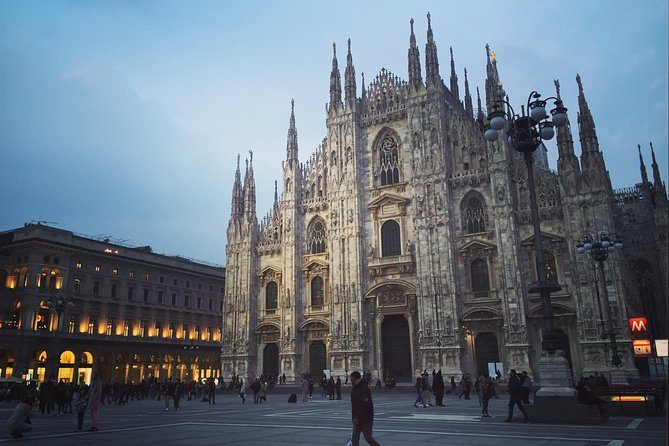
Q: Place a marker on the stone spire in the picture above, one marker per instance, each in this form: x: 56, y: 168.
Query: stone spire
x: 349, y: 80
x: 567, y: 161
x: 249, y: 191
x: 586, y: 125
x: 493, y: 86
x: 335, y: 82
x: 468, y: 98
x: 479, y: 112
x: 644, y: 174
x: 415, y: 77
x: 454, y: 78
x: 657, y: 181
x: 276, y: 195
x: 237, y: 196
x: 291, y: 145
x: 431, y: 61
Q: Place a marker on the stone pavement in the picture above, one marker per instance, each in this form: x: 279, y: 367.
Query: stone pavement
x: 323, y: 422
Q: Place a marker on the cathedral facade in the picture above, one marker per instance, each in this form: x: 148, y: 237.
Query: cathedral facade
x: 405, y: 242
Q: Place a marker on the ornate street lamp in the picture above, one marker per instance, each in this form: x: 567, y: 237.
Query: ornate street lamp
x: 59, y: 305
x: 524, y: 134
x: 598, y: 248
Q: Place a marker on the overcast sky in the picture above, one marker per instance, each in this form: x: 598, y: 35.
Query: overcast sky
x: 124, y: 118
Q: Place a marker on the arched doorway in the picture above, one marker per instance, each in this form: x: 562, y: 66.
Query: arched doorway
x: 396, y: 347
x: 487, y: 350
x: 270, y: 360
x: 562, y: 343
x: 317, y: 359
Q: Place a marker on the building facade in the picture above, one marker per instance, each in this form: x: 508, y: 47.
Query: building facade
x: 70, y: 304
x: 405, y: 242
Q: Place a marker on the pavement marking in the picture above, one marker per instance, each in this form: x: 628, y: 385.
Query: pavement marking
x: 444, y: 417
x: 616, y: 443
x: 635, y: 423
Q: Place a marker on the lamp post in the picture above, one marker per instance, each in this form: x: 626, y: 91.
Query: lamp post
x: 524, y: 134
x: 58, y: 306
x: 598, y: 248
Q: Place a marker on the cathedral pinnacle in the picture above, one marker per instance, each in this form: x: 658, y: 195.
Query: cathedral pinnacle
x: 291, y: 145
x: 335, y: 81
x: 454, y: 78
x: 349, y: 79
x: 415, y: 77
x: 468, y: 97
x: 657, y: 180
x: 431, y: 59
x: 567, y: 161
x: 644, y: 174
x: 586, y: 125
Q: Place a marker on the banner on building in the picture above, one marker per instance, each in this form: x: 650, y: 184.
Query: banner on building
x: 642, y: 348
x: 661, y: 347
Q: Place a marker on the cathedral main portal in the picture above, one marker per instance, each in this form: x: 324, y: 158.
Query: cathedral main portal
x: 317, y: 359
x: 396, y: 347
x: 270, y: 360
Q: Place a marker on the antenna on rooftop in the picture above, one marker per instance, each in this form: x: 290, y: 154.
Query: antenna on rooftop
x: 43, y: 222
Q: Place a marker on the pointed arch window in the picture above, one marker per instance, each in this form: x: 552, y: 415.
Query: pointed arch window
x: 317, y: 296
x: 479, y: 274
x: 550, y: 265
x: 316, y: 237
x: 389, y: 162
x: 474, y: 216
x: 271, y: 296
x: 390, y: 239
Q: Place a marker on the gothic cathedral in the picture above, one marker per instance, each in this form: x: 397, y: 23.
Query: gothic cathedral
x: 405, y: 242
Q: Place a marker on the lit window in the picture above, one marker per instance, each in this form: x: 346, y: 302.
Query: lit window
x: 131, y: 274
x: 147, y: 277
x: 77, y: 285
x: 110, y: 327
x: 126, y: 327
x: 92, y: 322
x: 79, y: 265
x: 115, y: 271
x: 72, y: 323
x: 98, y: 268
x: 171, y: 331
x: 157, y: 329
x: 184, y: 331
x: 142, y: 329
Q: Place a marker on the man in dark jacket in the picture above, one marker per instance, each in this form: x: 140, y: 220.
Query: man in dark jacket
x: 438, y: 388
x: 362, y: 411
x: 515, y: 395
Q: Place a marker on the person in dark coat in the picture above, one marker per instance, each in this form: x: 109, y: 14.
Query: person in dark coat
x: 438, y: 388
x: 453, y: 383
x: 338, y: 387
x: 362, y: 411
x: 515, y: 396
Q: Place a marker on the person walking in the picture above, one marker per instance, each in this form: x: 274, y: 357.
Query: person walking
x: 168, y: 392
x: 427, y: 390
x: 438, y: 388
x: 452, y: 383
x: 419, y: 392
x: 305, y: 388
x: 255, y: 388
x: 362, y: 411
x: 242, y: 391
x: 338, y: 387
x: 178, y: 390
x: 211, y: 390
x: 486, y: 391
x: 94, y: 400
x: 526, y: 388
x: 515, y: 394
x: 80, y: 406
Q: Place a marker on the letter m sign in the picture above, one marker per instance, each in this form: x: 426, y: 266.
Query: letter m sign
x: 638, y: 325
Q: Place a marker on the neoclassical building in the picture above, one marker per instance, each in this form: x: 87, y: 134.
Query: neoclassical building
x: 71, y: 304
x: 405, y: 241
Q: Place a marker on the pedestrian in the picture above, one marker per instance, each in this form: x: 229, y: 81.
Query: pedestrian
x: 526, y: 388
x: 211, y: 389
x: 80, y: 406
x: 331, y: 387
x: 515, y: 394
x: 178, y: 390
x: 486, y: 391
x: 263, y: 392
x: 255, y: 388
x: 419, y: 392
x: 338, y: 387
x: 305, y: 388
x: 362, y: 411
x: 438, y: 388
x: 168, y: 392
x: 19, y: 422
x: 452, y: 383
x: 94, y: 400
x: 427, y: 390
x: 242, y: 391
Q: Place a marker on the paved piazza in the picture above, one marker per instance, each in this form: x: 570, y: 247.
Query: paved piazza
x: 324, y: 422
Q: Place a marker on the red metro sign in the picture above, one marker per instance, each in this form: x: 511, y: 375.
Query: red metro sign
x: 638, y: 325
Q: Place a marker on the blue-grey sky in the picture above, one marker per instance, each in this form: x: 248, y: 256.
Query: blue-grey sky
x: 124, y: 118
